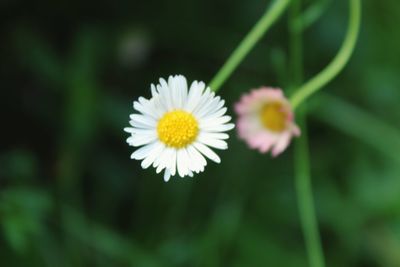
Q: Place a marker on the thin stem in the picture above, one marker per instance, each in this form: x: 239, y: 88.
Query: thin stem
x: 266, y: 21
x: 338, y: 63
x: 296, y: 45
x: 302, y: 163
x: 305, y: 198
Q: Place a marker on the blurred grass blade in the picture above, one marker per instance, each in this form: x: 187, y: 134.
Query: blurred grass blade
x: 106, y: 241
x: 40, y: 58
x: 360, y: 124
x: 311, y: 15
x: 80, y: 109
x: 22, y: 212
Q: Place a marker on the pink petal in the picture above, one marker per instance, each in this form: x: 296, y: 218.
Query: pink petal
x: 281, y: 144
x: 296, y: 130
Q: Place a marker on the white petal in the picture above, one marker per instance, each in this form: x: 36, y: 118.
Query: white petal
x: 173, y: 164
x: 213, y: 108
x: 178, y: 87
x: 157, y: 160
x: 193, y: 164
x: 197, y: 159
x: 212, y: 142
x: 197, y: 155
x: 151, y: 105
x: 165, y: 94
x: 142, y: 121
x: 208, y: 107
x: 153, y: 90
x: 129, y: 129
x: 184, y: 90
x: 140, y: 140
x: 159, y: 105
x: 167, y: 175
x: 160, y: 161
x: 195, y: 92
x: 222, y: 136
x: 204, y: 99
x: 146, y: 108
x: 215, y: 121
x: 153, y: 154
x: 143, y: 152
x: 174, y: 91
x: 219, y: 128
x: 182, y: 162
x: 165, y: 158
x: 216, y: 114
x: 207, y: 152
x: 141, y: 131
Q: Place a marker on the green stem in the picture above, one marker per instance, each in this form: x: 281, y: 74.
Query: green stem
x: 338, y: 63
x: 296, y: 45
x: 266, y: 21
x: 302, y: 165
x: 305, y: 198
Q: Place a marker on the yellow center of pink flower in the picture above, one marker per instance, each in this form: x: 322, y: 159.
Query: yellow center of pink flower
x: 177, y: 128
x: 273, y: 117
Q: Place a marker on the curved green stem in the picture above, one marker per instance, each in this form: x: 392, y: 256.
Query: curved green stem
x: 266, y: 21
x: 338, y: 63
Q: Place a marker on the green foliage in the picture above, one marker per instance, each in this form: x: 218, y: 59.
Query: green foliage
x: 23, y: 212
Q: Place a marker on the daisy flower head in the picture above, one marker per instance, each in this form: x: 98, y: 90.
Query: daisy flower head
x: 266, y: 120
x: 176, y: 127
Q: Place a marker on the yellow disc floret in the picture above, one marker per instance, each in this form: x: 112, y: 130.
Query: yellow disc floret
x: 177, y: 128
x: 273, y: 117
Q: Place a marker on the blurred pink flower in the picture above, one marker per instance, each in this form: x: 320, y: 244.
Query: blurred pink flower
x: 266, y: 121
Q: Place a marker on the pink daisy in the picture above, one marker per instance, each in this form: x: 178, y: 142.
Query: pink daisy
x: 266, y: 120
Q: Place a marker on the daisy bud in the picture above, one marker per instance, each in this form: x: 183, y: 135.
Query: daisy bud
x: 265, y: 120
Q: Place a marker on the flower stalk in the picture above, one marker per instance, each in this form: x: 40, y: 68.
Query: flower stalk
x: 338, y: 63
x: 266, y: 21
x: 305, y: 197
x: 302, y: 176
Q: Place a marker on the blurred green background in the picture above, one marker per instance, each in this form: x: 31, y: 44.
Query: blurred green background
x: 71, y: 196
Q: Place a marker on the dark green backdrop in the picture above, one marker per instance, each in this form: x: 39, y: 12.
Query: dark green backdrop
x: 71, y: 196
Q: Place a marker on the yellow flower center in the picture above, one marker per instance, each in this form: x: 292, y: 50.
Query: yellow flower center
x: 273, y: 117
x: 177, y: 128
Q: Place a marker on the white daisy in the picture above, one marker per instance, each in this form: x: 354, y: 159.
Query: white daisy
x: 176, y: 127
